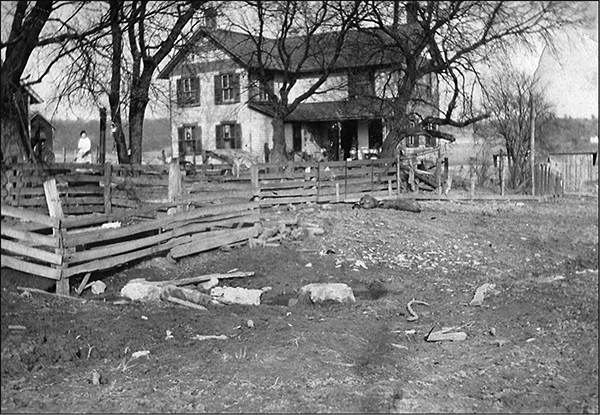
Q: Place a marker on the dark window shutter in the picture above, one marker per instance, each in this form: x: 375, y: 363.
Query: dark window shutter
x: 179, y: 92
x: 218, y: 89
x: 219, y: 135
x: 196, y: 89
x: 180, y: 135
x: 235, y: 84
x: 197, y: 137
x: 238, y: 136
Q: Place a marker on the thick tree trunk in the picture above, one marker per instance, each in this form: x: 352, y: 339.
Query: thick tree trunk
x: 114, y: 97
x: 136, y: 130
x: 137, y: 112
x: 279, y: 152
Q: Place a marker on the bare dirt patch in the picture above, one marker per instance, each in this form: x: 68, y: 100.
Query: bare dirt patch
x: 531, y: 346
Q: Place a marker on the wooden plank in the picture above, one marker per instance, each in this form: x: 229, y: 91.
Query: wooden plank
x: 186, y: 303
x: 31, y: 252
x: 29, y: 237
x: 141, y: 181
x: 123, y: 247
x: 30, y: 268
x: 202, y: 278
x: 55, y: 295
x: 116, y: 260
x: 29, y: 216
x: 97, y: 235
x: 214, y: 242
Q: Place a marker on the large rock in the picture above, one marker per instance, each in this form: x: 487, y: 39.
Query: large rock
x: 142, y: 290
x: 319, y: 293
x: 236, y: 295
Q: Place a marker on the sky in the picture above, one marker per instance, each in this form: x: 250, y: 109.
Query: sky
x: 570, y: 76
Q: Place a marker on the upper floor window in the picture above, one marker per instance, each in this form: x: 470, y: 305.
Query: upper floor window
x: 229, y: 135
x: 188, y: 92
x: 227, y: 88
x: 361, y: 84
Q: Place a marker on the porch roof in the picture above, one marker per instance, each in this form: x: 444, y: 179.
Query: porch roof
x: 353, y: 109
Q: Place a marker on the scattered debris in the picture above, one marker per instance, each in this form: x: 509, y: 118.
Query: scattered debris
x: 480, y: 294
x: 83, y: 284
x: 445, y: 335
x: 186, y: 303
x: 141, y: 353
x: 35, y: 290
x: 98, y: 287
x: 96, y: 377
x: 318, y: 293
x: 399, y: 346
x: 16, y: 327
x: 210, y: 337
x: 551, y: 278
x: 169, y: 335
x: 207, y: 285
x: 413, y: 316
x: 236, y: 295
x: 296, y: 230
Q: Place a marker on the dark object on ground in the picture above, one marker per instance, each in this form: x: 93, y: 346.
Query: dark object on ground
x: 402, y: 204
x: 369, y: 202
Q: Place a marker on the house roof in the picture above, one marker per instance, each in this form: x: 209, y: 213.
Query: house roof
x: 354, y: 109
x: 35, y: 98
x: 361, y: 48
x: 37, y: 114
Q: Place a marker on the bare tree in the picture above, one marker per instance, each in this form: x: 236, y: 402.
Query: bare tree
x: 141, y: 35
x: 33, y: 26
x: 449, y: 40
x: 509, y: 98
x: 288, y: 40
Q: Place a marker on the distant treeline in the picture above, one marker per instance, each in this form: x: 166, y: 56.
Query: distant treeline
x: 571, y: 134
x: 157, y: 135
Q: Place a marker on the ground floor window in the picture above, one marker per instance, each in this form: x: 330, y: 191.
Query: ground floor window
x: 190, y: 141
x: 229, y: 135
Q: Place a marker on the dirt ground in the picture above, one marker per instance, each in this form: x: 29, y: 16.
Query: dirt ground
x: 532, y: 346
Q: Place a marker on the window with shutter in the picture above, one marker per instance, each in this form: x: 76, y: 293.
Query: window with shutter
x: 188, y: 92
x: 190, y: 141
x: 219, y: 135
x: 227, y: 88
x: 218, y: 99
x: 229, y: 135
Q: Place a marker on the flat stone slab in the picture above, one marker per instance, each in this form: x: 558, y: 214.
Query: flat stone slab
x: 318, y: 293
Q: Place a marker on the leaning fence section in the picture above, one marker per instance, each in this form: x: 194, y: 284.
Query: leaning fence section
x: 64, y: 220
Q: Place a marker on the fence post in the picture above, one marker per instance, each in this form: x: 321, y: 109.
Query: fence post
x: 56, y: 211
x: 254, y: 180
x: 346, y: 179
x: 372, y: 175
x: 174, y: 180
x: 438, y: 173
x: 502, y: 175
x: 472, y: 177
x: 107, y: 188
x: 318, y: 180
x: 411, y: 175
x: 398, y: 173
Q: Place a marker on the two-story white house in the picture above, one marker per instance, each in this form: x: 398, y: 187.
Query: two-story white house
x: 216, y: 102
